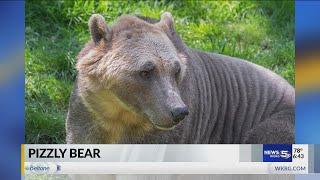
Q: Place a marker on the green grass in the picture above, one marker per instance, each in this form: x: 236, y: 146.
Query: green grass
x: 262, y: 32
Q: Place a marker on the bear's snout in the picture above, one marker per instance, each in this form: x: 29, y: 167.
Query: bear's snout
x: 179, y: 113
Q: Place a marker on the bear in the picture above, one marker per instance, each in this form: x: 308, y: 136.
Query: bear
x: 138, y: 82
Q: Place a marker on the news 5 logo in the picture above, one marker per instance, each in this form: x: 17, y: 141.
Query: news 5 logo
x: 277, y: 153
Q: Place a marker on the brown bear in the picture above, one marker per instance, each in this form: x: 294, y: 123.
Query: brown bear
x: 139, y: 83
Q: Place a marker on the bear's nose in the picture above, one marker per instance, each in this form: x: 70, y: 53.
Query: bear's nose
x: 179, y: 113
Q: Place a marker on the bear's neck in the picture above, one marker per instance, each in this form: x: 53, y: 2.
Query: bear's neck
x: 118, y: 120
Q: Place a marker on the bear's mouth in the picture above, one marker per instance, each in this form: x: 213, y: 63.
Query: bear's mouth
x: 163, y: 128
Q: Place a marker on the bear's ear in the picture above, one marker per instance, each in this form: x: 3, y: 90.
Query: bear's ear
x: 98, y: 28
x: 167, y: 22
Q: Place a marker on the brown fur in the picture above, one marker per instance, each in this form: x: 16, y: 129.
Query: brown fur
x: 134, y: 74
x: 99, y: 70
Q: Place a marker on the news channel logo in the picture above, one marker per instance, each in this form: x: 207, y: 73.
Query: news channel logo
x: 277, y: 153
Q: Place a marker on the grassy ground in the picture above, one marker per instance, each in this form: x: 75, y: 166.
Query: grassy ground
x: 262, y: 32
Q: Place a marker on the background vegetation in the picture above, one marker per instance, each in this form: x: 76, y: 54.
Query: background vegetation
x: 262, y: 32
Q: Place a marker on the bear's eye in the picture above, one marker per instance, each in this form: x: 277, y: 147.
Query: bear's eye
x: 147, y: 70
x: 145, y: 74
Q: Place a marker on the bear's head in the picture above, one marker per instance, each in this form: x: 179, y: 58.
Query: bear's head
x: 130, y: 72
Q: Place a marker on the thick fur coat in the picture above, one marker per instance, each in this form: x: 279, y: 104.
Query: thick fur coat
x: 229, y: 100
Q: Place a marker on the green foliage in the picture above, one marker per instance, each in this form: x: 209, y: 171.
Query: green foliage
x: 260, y: 31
